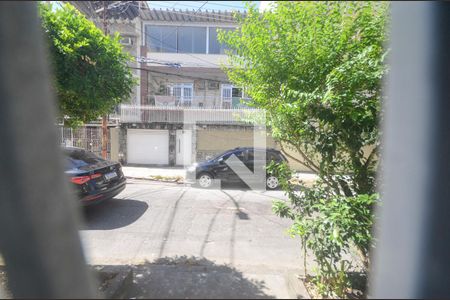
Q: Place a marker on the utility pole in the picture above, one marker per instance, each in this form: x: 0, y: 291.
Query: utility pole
x: 105, y: 118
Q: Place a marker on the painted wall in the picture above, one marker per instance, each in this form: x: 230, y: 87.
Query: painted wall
x: 213, y: 140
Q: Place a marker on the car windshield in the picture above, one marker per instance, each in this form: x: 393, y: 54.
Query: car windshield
x: 221, y: 155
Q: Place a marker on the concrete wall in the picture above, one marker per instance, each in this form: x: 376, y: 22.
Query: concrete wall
x: 300, y: 167
x: 208, y: 141
x: 114, y: 142
x: 131, y: 29
x: 215, y: 139
x: 293, y: 163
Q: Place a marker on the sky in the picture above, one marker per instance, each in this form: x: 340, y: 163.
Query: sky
x: 195, y: 5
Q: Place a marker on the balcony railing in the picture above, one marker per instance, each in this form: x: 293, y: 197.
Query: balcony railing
x: 190, y: 115
x: 198, y: 101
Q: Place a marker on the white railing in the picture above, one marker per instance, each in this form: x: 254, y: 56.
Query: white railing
x: 189, y: 115
x: 194, y: 101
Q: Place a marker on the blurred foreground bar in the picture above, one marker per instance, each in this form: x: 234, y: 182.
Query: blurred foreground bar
x: 38, y: 222
x: 412, y: 257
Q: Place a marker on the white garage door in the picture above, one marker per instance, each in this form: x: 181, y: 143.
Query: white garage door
x: 148, y: 146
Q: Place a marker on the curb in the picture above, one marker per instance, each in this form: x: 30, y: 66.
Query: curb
x: 154, y: 179
x: 118, y: 281
x: 296, y: 288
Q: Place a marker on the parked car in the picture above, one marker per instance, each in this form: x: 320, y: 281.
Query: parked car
x: 205, y: 173
x: 93, y: 178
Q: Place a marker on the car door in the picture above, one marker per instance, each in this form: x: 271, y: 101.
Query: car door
x: 256, y: 163
x: 223, y: 170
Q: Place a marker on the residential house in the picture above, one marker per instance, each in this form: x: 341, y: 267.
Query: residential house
x: 178, y: 63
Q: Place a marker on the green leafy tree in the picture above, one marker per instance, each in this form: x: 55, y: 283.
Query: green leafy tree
x: 317, y: 69
x: 90, y: 69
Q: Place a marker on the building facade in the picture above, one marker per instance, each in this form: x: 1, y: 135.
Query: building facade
x: 184, y: 108
x: 182, y: 59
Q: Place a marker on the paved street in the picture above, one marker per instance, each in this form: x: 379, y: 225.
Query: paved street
x: 217, y: 238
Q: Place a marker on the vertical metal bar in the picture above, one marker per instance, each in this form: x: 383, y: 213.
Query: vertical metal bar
x: 105, y: 117
x: 38, y: 225
x: 412, y: 257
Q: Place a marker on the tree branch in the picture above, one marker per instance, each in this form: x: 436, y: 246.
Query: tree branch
x: 296, y: 159
x: 370, y: 157
x: 310, y: 162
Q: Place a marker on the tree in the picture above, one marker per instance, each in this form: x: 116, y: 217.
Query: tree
x: 90, y: 69
x: 317, y: 69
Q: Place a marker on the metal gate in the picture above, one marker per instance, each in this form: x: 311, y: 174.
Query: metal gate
x: 86, y: 137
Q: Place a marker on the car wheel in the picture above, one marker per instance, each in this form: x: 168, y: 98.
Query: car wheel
x: 272, y: 182
x: 205, y: 180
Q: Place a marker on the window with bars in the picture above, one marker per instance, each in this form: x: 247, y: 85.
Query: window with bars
x: 183, y: 93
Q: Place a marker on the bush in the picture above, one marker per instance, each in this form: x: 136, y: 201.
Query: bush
x: 329, y: 225
x: 317, y: 69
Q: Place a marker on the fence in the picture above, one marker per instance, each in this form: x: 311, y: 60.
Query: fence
x: 88, y: 138
x: 189, y: 115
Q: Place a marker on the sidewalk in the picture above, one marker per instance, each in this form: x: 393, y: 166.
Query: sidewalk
x: 151, y: 173
x: 179, y: 172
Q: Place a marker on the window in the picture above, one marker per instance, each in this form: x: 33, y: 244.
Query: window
x: 215, y: 47
x: 200, y: 84
x: 236, y: 92
x: 250, y: 155
x: 257, y: 155
x: 172, y: 39
x: 161, y: 38
x: 183, y: 93
x: 77, y: 158
x: 240, y: 154
x: 226, y: 95
x: 213, y: 85
x: 191, y: 40
x: 183, y: 39
x: 126, y: 40
x: 231, y: 96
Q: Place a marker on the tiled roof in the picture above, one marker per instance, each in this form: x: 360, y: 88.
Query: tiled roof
x: 116, y: 9
x: 132, y: 9
x: 187, y: 16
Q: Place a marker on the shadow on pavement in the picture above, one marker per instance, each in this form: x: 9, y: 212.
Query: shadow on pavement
x: 113, y: 214
x: 190, y: 277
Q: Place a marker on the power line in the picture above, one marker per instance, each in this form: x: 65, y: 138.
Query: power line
x: 176, y: 27
x: 186, y: 13
x: 173, y: 6
x: 147, y: 35
x: 156, y: 5
x: 185, y: 21
x: 158, y: 40
x: 179, y: 75
x: 169, y: 47
x: 225, y: 5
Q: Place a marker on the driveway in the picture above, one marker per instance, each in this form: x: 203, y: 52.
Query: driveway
x: 194, y: 243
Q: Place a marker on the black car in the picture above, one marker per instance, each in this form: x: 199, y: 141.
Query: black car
x: 218, y: 168
x: 94, y: 178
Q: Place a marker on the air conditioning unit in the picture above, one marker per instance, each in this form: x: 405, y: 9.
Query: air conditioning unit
x: 126, y: 41
x: 213, y: 85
